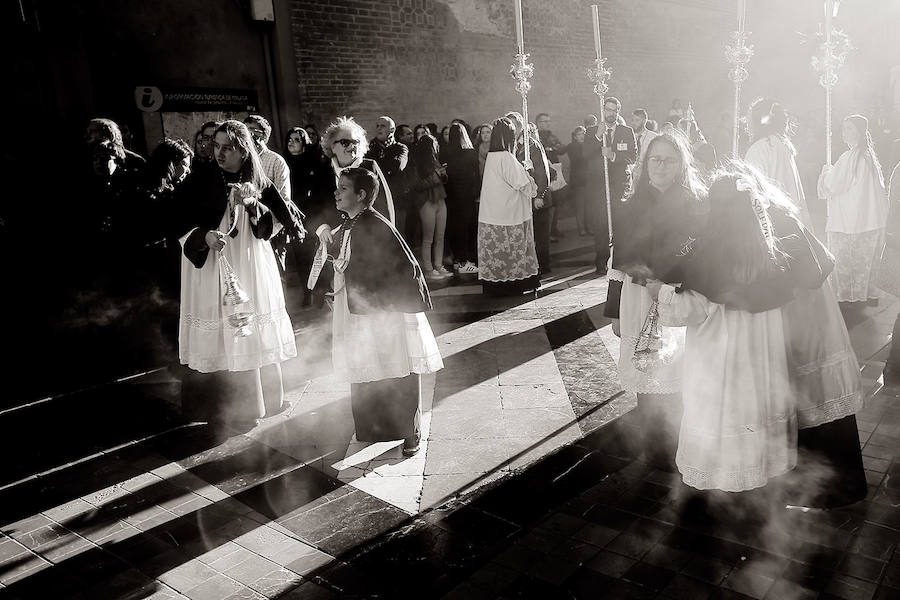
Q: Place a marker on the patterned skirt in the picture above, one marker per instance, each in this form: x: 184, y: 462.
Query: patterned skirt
x: 857, y: 259
x: 506, y: 252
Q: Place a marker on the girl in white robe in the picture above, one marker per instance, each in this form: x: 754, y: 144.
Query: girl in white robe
x: 857, y: 214
x: 739, y: 427
x: 235, y: 375
x: 824, y: 367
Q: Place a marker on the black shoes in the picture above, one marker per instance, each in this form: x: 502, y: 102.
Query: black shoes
x: 411, y: 445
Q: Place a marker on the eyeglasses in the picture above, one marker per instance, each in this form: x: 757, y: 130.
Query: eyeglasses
x: 659, y: 161
x: 347, y: 143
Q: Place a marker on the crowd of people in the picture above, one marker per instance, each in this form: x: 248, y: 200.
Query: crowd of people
x: 716, y: 262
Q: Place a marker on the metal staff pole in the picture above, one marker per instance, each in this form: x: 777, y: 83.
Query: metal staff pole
x: 738, y: 54
x: 599, y: 75
x: 522, y: 71
x: 834, y: 49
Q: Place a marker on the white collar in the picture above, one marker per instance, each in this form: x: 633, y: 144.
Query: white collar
x: 339, y: 169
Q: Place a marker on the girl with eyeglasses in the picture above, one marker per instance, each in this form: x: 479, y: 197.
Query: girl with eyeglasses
x: 659, y: 224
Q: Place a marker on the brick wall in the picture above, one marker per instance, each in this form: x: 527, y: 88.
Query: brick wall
x: 430, y: 60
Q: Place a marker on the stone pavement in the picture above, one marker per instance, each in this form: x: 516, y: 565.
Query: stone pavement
x: 295, y: 508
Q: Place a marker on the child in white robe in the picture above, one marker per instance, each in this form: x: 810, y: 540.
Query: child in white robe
x: 739, y: 427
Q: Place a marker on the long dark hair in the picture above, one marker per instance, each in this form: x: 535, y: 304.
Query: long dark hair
x: 744, y: 248
x: 316, y: 130
x: 304, y: 138
x: 660, y: 230
x: 476, y: 135
x: 162, y: 161
x: 688, y: 178
x: 503, y: 136
x: 867, y: 147
x: 424, y: 155
x: 459, y: 139
x: 251, y: 169
x: 767, y: 117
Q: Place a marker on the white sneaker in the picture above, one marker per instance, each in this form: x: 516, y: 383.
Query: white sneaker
x: 434, y: 275
x: 444, y: 272
x: 468, y: 269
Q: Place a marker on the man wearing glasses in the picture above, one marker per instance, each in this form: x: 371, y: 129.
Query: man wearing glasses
x: 614, y: 141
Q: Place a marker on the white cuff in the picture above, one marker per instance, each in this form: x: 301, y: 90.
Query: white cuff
x: 666, y: 294
x: 322, y: 228
x: 615, y: 275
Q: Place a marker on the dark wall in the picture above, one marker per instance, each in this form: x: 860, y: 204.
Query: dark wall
x: 84, y: 59
x: 84, y: 313
x: 430, y: 60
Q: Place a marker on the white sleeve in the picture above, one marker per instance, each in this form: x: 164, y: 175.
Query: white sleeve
x: 758, y: 156
x: 517, y: 177
x: 681, y: 309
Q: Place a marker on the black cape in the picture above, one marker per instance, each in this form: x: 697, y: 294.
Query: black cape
x: 207, y: 201
x: 383, y: 274
x: 653, y: 238
x: 804, y: 263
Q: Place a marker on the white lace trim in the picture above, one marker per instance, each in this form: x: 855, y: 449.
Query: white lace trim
x: 831, y: 410
x: 828, y: 389
x: 421, y: 366
x: 737, y: 481
x: 263, y: 320
x: 779, y: 457
x: 249, y: 362
x: 615, y: 275
x: 198, y: 357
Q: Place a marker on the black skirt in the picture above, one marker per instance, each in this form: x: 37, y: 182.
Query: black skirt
x: 386, y: 410
x: 511, y: 288
x: 829, y: 470
x: 231, y: 396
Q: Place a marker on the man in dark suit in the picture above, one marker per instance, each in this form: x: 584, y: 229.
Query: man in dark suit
x: 615, y: 141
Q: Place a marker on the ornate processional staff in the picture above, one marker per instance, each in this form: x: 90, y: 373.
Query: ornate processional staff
x: 522, y: 71
x: 738, y: 54
x: 834, y: 47
x: 599, y: 75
